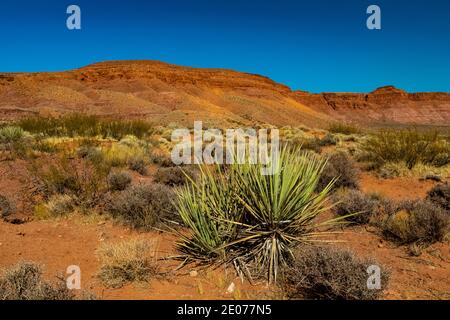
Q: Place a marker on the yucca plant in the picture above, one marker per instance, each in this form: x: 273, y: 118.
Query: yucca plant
x: 254, y: 220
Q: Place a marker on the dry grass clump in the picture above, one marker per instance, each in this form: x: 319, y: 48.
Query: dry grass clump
x: 58, y: 205
x: 125, y: 262
x: 339, y: 167
x: 143, y: 206
x: 119, y: 181
x: 440, y: 195
x: 24, y: 282
x: 138, y: 164
x: 174, y: 176
x: 419, y: 222
x: 327, y: 273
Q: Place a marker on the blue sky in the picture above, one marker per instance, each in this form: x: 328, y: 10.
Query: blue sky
x: 320, y: 45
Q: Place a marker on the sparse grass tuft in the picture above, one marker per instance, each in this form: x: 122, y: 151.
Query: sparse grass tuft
x: 127, y: 262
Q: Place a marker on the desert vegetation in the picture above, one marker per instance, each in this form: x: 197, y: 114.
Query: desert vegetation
x: 284, y: 230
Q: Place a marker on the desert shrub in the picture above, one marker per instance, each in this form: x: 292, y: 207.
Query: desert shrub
x: 14, y: 140
x: 327, y: 273
x: 339, y: 167
x: 143, y: 206
x: 440, y: 195
x: 343, y: 128
x: 24, y: 282
x: 83, y: 180
x: 174, y: 176
x: 253, y: 220
x: 420, y: 222
x: 328, y: 140
x: 75, y: 124
x: 125, y: 262
x: 407, y: 146
x: 138, y: 164
x: 358, y: 207
x: 6, y: 207
x: 119, y: 181
x: 162, y: 159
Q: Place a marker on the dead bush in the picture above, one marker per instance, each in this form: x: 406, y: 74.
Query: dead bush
x: 341, y: 167
x: 125, y: 262
x: 143, y: 206
x: 24, y: 282
x: 420, y: 222
x: 440, y: 195
x: 327, y: 273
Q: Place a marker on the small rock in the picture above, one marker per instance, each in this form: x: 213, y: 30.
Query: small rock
x: 193, y: 273
x: 231, y: 288
x: 380, y: 245
x: 59, y: 236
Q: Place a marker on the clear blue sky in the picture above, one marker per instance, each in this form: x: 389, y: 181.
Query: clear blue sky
x: 315, y: 45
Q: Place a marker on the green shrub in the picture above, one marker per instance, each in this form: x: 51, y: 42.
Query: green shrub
x: 143, y: 206
x: 339, y: 167
x: 24, y: 282
x: 420, y: 222
x: 326, y: 273
x: 440, y: 195
x: 119, y: 181
x: 125, y: 262
x: 252, y: 219
x: 82, y: 125
x: 407, y: 146
x: 6, y: 207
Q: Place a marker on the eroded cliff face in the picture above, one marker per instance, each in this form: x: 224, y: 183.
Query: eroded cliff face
x: 168, y: 93
x: 385, y: 105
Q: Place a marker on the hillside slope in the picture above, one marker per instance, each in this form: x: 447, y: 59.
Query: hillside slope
x: 168, y: 93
